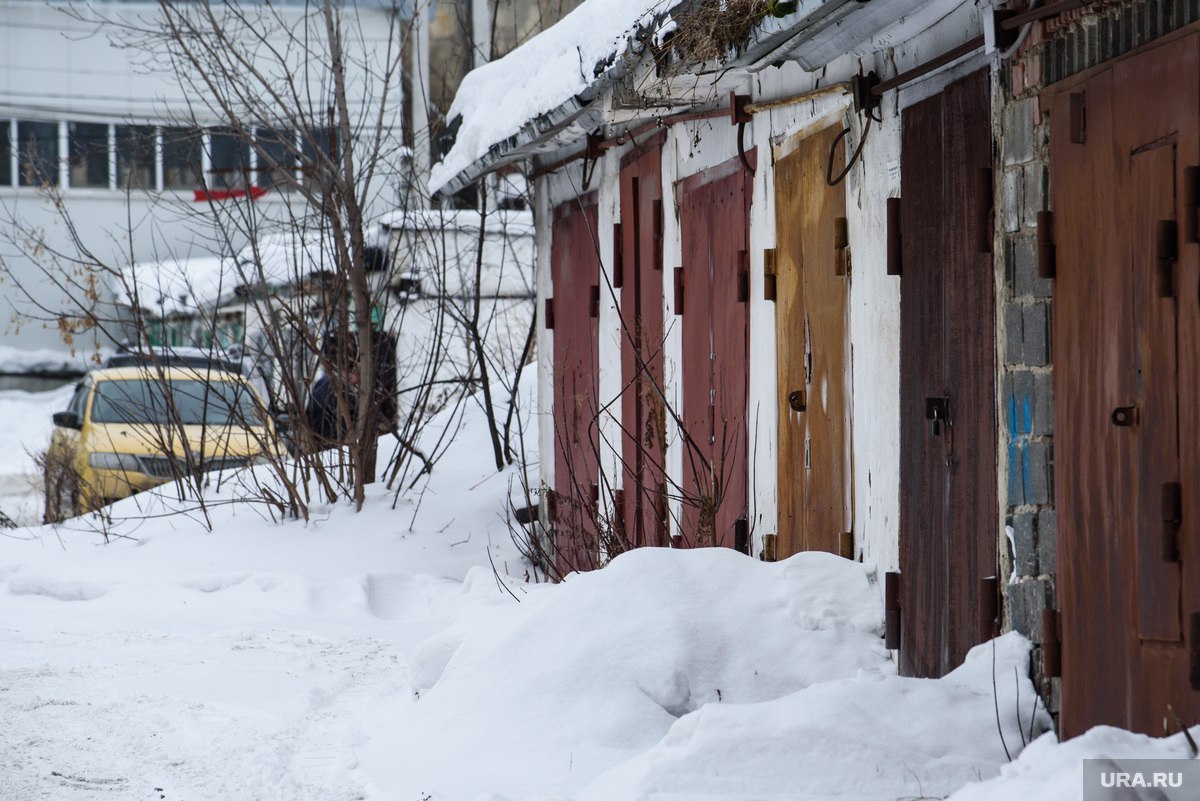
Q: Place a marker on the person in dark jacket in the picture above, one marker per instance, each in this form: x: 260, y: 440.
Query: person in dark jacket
x: 325, y: 420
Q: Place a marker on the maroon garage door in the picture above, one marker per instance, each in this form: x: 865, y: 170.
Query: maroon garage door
x: 710, y: 296
x: 575, y: 272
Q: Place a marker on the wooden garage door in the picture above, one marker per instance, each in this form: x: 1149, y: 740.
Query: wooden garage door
x: 948, y: 493
x: 711, y: 298
x: 642, y: 408
x: 810, y: 326
x: 1126, y: 358
x: 575, y: 272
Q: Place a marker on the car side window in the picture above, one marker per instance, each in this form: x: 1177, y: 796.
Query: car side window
x: 79, y: 399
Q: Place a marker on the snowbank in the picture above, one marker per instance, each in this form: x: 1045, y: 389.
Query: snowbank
x: 1053, y: 771
x: 696, y: 674
x: 867, y: 737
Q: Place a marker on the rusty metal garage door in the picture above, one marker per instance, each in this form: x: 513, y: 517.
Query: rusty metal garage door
x: 1124, y: 151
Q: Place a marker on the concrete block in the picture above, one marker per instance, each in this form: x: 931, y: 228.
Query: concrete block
x: 1025, y: 545
x: 1014, y: 334
x: 1026, y: 600
x: 1039, y: 473
x: 1047, y: 539
x: 1026, y: 283
x: 1043, y: 405
x: 1017, y: 147
x: 1035, y: 325
x: 1012, y: 199
x: 1033, y: 194
x: 1017, y: 459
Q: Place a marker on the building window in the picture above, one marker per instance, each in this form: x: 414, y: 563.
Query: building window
x: 276, y: 158
x: 89, y: 154
x: 182, y: 158
x: 318, y: 154
x: 37, y: 153
x: 6, y: 160
x: 135, y: 157
x: 230, y: 160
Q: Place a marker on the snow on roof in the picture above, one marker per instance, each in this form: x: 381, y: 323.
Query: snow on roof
x: 500, y: 98
x: 174, y: 285
x: 512, y: 222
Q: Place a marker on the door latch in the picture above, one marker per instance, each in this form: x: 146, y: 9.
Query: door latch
x: 937, y: 412
x: 1125, y: 416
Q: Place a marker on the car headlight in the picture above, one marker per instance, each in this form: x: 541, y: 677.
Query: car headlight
x: 115, y: 461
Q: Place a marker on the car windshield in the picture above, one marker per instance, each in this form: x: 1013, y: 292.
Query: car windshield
x: 145, y: 400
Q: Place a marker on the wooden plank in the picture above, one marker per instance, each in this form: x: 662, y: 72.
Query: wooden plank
x: 811, y: 347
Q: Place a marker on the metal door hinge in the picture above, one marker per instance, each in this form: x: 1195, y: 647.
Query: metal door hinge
x: 1166, y: 241
x: 1045, y: 244
x: 658, y: 234
x: 841, y: 245
x: 1076, y: 118
x: 1194, y: 650
x: 618, y: 268
x: 1191, y: 204
x: 594, y: 301
x: 1172, y: 519
x: 894, y: 239
x: 769, y: 281
x: 743, y: 276
x: 1051, y: 644
x: 741, y: 535
x: 548, y: 316
x: 989, y: 607
x: 983, y: 209
x: 679, y: 290
x: 891, y: 611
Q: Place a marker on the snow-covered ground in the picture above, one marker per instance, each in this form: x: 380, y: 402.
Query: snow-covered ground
x: 400, y: 653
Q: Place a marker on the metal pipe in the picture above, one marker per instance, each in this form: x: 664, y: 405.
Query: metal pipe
x: 1036, y: 14
x: 908, y: 76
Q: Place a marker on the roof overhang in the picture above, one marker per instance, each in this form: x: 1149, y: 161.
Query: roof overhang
x: 815, y: 34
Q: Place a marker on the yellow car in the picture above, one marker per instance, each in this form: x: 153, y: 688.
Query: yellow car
x: 128, y: 429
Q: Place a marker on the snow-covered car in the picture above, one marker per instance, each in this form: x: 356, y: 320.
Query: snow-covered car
x: 128, y: 429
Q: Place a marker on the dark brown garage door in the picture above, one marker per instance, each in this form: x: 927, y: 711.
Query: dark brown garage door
x: 948, y: 494
x: 1126, y: 361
